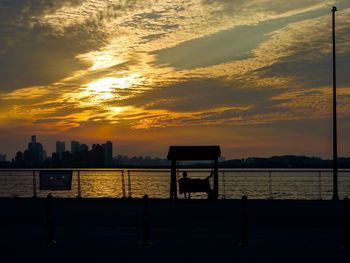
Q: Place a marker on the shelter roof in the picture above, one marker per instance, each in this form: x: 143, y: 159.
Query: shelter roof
x: 184, y: 153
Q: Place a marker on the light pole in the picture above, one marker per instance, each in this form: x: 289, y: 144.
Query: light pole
x: 335, y: 148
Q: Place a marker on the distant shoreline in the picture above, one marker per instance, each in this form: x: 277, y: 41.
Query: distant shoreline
x: 284, y: 162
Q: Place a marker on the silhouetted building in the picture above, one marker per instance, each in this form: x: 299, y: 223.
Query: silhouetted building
x: 60, y: 149
x: 121, y: 160
x: 74, y: 147
x: 19, y: 159
x: 84, y: 148
x: 108, y: 153
x: 2, y: 157
x: 98, y: 155
x: 34, y: 155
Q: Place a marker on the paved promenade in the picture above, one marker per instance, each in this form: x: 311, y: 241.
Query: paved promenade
x: 110, y: 230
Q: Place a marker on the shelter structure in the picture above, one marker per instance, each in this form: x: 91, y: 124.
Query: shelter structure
x: 193, y: 153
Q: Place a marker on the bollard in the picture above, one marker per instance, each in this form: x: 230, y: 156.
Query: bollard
x: 145, y: 223
x: 49, y: 218
x: 244, y: 222
x: 346, y: 223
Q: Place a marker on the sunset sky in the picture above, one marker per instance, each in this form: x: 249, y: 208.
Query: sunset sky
x: 252, y: 76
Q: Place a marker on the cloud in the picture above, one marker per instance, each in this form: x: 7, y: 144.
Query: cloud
x: 239, y: 42
x: 34, y: 54
x: 198, y: 94
x: 208, y: 102
x: 139, y: 68
x: 309, y: 58
x: 263, y: 9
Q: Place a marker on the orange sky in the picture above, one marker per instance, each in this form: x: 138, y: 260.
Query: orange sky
x: 252, y: 76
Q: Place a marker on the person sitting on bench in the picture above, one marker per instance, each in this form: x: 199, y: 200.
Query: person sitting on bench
x: 187, y: 185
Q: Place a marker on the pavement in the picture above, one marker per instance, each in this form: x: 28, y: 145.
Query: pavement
x: 113, y: 230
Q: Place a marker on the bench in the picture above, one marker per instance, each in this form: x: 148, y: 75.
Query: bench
x: 187, y: 185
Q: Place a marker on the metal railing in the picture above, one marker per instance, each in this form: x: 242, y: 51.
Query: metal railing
x: 123, y: 183
x: 283, y: 183
x: 85, y: 183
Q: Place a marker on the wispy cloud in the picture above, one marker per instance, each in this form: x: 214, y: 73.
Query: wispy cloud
x: 152, y: 65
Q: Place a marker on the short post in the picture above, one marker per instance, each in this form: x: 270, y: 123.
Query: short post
x: 34, y: 184
x: 244, y: 222
x: 79, y: 186
x: 145, y: 222
x: 346, y: 223
x: 49, y: 217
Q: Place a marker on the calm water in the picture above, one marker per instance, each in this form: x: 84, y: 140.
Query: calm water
x: 260, y: 184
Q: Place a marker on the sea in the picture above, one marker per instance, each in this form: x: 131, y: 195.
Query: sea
x: 304, y: 184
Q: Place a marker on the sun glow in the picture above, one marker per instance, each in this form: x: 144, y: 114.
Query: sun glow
x: 110, y: 83
x: 106, y: 88
x: 107, y: 84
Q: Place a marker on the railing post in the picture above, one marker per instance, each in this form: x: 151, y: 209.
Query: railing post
x: 223, y: 186
x: 270, y: 185
x: 123, y: 185
x: 49, y: 218
x: 34, y: 184
x: 79, y: 186
x: 216, y: 180
x: 346, y: 223
x: 319, y: 187
x: 129, y: 185
x: 145, y: 222
x: 244, y: 223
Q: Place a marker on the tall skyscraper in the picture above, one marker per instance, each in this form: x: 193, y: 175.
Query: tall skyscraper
x: 75, y: 146
x: 98, y: 155
x: 2, y: 157
x: 35, y: 152
x: 60, y: 149
x: 108, y: 148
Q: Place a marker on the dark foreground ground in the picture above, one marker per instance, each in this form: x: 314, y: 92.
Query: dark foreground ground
x: 110, y: 230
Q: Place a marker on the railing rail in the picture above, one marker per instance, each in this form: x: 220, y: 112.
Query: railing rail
x: 259, y: 183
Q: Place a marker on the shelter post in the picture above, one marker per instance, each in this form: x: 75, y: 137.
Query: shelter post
x: 173, y: 188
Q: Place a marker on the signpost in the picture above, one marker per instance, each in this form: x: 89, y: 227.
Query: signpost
x: 55, y: 180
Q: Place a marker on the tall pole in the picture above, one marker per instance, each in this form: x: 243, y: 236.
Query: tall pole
x: 335, y: 148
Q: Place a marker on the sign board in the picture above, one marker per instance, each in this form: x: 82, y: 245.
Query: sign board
x: 55, y: 180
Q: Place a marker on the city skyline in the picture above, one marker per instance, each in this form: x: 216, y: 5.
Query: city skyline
x: 79, y: 154
x: 76, y: 147
x: 36, y: 153
x: 251, y: 76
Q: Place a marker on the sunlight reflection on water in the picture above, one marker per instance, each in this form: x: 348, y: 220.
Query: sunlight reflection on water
x: 155, y: 183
